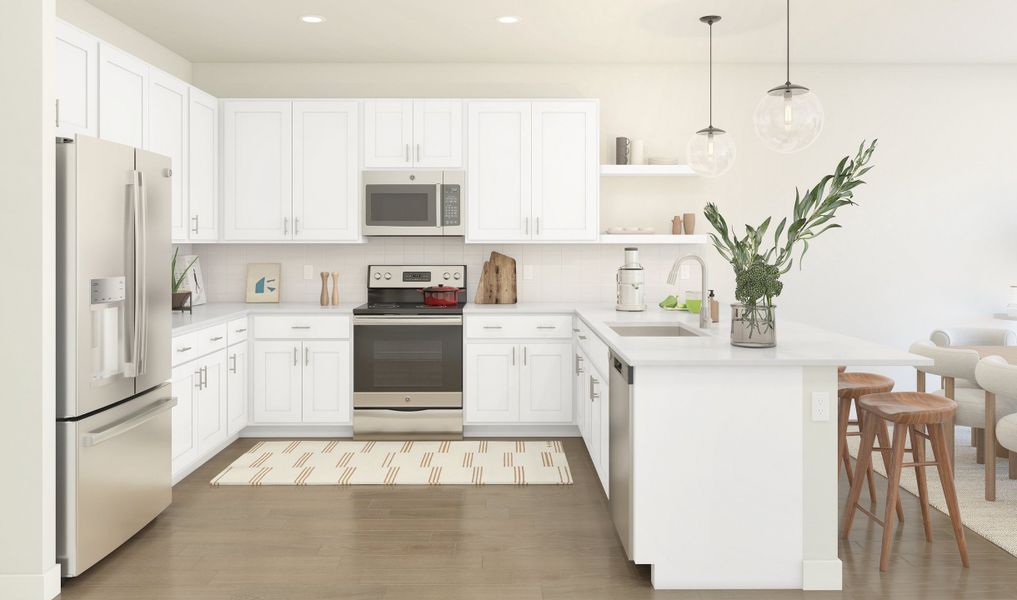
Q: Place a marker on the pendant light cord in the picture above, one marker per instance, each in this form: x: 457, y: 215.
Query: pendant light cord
x: 711, y: 73
x: 788, y: 54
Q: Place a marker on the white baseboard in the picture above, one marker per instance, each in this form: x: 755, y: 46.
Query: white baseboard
x: 521, y: 430
x: 822, y: 575
x: 42, y: 586
x: 297, y: 431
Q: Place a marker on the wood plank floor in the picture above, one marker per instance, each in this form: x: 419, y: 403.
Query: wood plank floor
x: 449, y: 543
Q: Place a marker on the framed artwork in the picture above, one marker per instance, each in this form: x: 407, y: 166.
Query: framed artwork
x: 263, y: 282
x: 194, y: 282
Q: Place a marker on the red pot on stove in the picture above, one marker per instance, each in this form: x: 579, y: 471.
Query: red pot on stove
x: 441, y: 295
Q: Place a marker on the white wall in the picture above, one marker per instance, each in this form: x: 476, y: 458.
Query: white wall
x: 931, y: 243
x: 113, y: 31
x: 28, y: 569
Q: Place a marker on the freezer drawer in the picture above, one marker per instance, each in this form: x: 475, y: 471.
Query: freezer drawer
x: 113, y: 477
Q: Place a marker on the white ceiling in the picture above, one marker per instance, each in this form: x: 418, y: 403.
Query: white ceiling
x: 569, y: 31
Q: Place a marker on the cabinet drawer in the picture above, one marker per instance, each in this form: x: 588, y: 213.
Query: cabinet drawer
x: 185, y: 348
x: 211, y: 339
x: 236, y: 331
x: 521, y: 327
x: 593, y: 346
x: 302, y: 327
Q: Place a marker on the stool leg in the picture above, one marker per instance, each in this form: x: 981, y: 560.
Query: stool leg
x: 918, y: 445
x: 978, y: 440
x: 941, y: 452
x: 862, y: 463
x: 843, y: 415
x: 884, y: 442
x: 1013, y: 465
x: 893, y: 492
x: 869, y: 474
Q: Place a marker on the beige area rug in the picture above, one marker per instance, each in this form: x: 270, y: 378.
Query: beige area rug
x: 334, y: 462
x: 995, y: 521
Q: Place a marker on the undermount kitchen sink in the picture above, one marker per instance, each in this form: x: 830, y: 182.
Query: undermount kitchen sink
x: 645, y: 330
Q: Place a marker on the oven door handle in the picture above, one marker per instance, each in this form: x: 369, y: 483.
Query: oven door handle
x: 382, y: 320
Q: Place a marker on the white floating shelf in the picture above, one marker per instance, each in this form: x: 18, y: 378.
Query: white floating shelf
x: 646, y: 171
x: 653, y: 238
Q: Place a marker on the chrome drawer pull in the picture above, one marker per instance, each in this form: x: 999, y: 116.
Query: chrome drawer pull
x: 216, y: 338
x: 492, y: 326
x: 582, y: 337
x: 547, y: 327
x: 300, y: 327
x: 240, y: 330
x: 184, y: 349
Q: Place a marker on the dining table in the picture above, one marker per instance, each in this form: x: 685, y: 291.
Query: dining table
x: 1009, y: 354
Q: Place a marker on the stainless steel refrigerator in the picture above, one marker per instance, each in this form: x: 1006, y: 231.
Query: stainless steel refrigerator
x: 113, y: 346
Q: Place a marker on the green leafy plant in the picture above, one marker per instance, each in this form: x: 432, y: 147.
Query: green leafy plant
x: 177, y: 280
x: 758, y: 271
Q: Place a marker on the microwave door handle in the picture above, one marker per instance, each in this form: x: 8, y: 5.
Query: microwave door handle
x: 439, y: 212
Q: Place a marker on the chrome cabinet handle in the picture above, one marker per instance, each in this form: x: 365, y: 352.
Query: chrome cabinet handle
x: 547, y: 327
x: 524, y: 356
x: 513, y: 356
x: 240, y: 330
x: 58, y: 112
x: 296, y: 225
x: 492, y: 326
x: 582, y: 337
x: 538, y: 226
x: 198, y: 373
x: 594, y: 382
x: 307, y: 356
x: 579, y: 365
x: 300, y: 327
x: 286, y: 225
x: 574, y: 330
x: 184, y: 348
x: 418, y: 152
x: 526, y: 224
x: 295, y: 351
x: 407, y: 153
x: 215, y: 339
x: 195, y: 219
x: 233, y: 368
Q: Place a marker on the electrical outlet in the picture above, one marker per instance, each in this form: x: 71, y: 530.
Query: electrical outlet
x: 308, y: 271
x: 686, y: 272
x: 527, y: 272
x: 820, y: 406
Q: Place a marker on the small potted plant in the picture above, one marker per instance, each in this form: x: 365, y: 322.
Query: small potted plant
x: 758, y: 271
x: 181, y: 300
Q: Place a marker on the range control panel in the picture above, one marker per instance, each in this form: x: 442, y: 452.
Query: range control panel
x: 415, y: 276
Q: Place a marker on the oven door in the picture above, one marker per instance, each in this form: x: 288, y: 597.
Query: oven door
x: 402, y: 203
x: 407, y: 363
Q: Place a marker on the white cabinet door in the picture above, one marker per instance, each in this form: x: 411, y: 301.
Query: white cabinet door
x: 598, y: 424
x: 492, y: 383
x: 578, y: 393
x: 167, y: 135
x: 236, y: 388
x: 202, y: 166
x: 184, y: 382
x: 326, y: 190
x: 76, y: 58
x: 601, y: 402
x: 257, y: 170
x: 123, y: 97
x: 326, y: 382
x: 498, y: 188
x: 566, y: 171
x: 546, y: 383
x: 438, y: 133
x: 210, y: 402
x: 388, y: 133
x: 276, y: 382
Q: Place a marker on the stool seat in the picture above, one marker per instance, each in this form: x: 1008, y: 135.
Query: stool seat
x: 855, y: 384
x: 909, y: 408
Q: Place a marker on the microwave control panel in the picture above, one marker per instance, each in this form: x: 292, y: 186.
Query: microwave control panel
x: 450, y: 201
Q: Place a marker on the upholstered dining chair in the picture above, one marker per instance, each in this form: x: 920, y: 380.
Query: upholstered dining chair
x: 952, y: 364
x: 998, y: 377
x: 947, y: 337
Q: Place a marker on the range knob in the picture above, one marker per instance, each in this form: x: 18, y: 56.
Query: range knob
x: 377, y: 275
x: 446, y: 276
x: 457, y: 276
x: 388, y: 276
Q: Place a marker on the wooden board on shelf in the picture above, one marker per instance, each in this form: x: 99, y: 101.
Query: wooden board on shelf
x: 497, y: 281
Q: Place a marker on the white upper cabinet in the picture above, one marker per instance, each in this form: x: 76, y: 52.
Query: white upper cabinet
x: 388, y: 133
x: 438, y: 133
x: 257, y: 170
x: 202, y: 206
x: 167, y: 135
x: 566, y: 171
x: 123, y: 97
x: 326, y: 174
x: 498, y: 187
x: 76, y: 57
x: 405, y: 133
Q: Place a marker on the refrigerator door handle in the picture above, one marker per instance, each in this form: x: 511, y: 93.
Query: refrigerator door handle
x: 112, y: 430
x: 140, y: 283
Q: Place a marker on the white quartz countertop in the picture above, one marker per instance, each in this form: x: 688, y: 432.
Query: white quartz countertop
x: 797, y: 344
x: 218, y: 312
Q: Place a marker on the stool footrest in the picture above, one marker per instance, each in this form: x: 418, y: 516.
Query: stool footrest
x: 871, y: 514
x: 920, y: 464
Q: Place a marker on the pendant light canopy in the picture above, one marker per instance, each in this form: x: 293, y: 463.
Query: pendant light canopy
x: 711, y: 150
x: 789, y: 117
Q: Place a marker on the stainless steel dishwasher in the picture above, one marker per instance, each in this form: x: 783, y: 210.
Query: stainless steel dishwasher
x: 620, y: 449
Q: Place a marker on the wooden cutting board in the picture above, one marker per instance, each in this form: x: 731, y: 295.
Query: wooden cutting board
x: 497, y: 280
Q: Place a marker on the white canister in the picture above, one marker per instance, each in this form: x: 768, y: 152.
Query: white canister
x: 637, y: 156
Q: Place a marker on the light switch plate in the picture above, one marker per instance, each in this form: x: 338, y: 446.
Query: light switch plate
x: 308, y: 271
x: 820, y: 406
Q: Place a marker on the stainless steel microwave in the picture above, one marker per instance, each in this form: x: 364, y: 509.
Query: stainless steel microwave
x: 414, y: 203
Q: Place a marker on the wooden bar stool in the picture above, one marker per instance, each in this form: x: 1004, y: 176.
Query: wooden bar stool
x: 923, y: 416
x: 851, y: 387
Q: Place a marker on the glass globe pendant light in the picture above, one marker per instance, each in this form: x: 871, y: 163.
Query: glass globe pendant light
x: 789, y: 117
x: 711, y: 150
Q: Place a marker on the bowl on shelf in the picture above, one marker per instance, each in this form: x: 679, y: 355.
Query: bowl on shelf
x: 629, y: 230
x: 662, y: 160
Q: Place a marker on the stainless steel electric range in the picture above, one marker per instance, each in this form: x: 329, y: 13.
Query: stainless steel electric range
x: 408, y: 356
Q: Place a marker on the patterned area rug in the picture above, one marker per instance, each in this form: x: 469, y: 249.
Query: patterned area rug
x: 995, y: 521
x: 333, y: 462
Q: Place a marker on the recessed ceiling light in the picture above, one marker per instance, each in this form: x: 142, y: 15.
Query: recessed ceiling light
x: 312, y: 19
x: 508, y: 20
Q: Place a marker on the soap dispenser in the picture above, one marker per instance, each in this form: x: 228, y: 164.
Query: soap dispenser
x: 714, y: 308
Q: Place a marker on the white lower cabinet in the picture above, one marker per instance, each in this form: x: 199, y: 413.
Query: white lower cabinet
x: 184, y: 384
x: 236, y: 388
x: 518, y: 383
x: 210, y: 402
x: 301, y: 381
x: 592, y: 412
